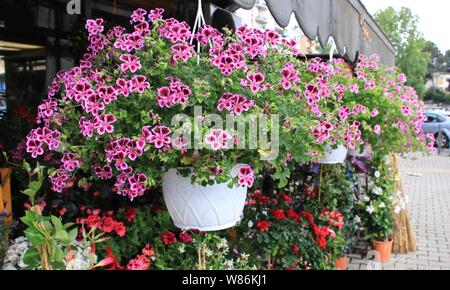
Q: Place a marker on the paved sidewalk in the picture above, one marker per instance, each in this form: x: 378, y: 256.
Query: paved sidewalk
x: 427, y: 182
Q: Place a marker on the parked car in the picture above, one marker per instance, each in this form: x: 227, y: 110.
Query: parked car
x: 438, y: 122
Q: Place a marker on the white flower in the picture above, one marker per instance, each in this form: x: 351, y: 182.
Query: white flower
x: 264, y: 212
x: 245, y: 256
x: 208, y: 252
x: 397, y: 209
x: 182, y: 248
x: 381, y: 205
x: 229, y: 264
x: 364, y: 198
x: 370, y: 209
x: 377, y: 174
x: 250, y: 224
x: 223, y: 244
x: 357, y: 219
x: 377, y: 190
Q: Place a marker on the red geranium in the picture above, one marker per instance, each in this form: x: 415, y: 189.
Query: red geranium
x: 120, y: 229
x: 292, y: 214
x: 108, y: 224
x: 185, y: 237
x: 130, y: 214
x: 295, y: 249
x: 279, y: 214
x: 169, y: 238
x: 263, y: 225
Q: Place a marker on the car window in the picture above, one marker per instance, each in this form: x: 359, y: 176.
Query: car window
x: 431, y: 118
x: 440, y: 119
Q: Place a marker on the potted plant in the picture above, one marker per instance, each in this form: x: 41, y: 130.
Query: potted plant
x: 377, y: 210
x: 144, y: 109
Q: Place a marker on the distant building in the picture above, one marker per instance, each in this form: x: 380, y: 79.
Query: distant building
x: 259, y: 17
x: 440, y: 80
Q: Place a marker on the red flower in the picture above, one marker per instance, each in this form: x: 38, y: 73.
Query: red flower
x: 263, y: 225
x: 148, y: 251
x: 110, y: 261
x: 62, y: 211
x: 279, y: 214
x: 130, y: 213
x: 185, y: 237
x: 292, y: 214
x: 108, y: 224
x: 169, y: 238
x: 295, y: 249
x: 286, y: 198
x: 322, y: 242
x: 120, y: 229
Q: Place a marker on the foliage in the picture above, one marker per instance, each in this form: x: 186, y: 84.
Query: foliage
x: 173, y: 248
x: 440, y: 62
x: 412, y: 58
x: 274, y: 230
x: 392, y: 115
x: 438, y: 96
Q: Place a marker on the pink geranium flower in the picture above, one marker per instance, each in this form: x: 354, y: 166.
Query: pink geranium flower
x: 159, y: 135
x: 104, y: 123
x: 129, y: 62
x: 246, y: 176
x: 217, y: 139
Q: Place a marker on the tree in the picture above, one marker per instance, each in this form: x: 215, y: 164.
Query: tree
x: 412, y: 57
x: 439, y: 62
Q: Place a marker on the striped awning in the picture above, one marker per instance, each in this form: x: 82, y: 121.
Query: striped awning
x: 353, y: 29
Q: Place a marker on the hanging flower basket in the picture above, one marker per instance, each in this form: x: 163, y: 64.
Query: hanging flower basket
x: 205, y: 208
x: 334, y: 156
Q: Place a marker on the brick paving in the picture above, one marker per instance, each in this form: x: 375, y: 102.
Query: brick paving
x: 427, y: 182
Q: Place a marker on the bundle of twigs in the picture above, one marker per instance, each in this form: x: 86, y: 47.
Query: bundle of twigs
x: 404, y: 239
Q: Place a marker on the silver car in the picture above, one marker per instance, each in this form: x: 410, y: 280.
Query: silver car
x: 438, y: 122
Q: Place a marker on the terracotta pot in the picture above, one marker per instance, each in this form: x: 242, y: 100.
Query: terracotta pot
x: 341, y: 264
x: 384, y: 249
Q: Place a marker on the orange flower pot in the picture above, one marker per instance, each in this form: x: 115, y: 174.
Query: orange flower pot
x: 384, y: 249
x: 341, y: 264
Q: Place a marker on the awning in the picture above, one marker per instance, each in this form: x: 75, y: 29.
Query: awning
x: 353, y: 29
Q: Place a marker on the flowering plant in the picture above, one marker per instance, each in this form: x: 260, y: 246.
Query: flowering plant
x: 375, y: 206
x: 275, y: 227
x: 391, y: 113
x: 116, y: 116
x: 171, y: 247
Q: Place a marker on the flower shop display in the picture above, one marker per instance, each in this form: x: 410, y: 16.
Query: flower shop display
x: 145, y: 118
x: 115, y: 117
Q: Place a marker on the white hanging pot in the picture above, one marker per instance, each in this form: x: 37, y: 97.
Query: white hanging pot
x: 205, y: 208
x: 334, y: 156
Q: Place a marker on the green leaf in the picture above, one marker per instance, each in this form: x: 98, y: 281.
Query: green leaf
x: 62, y: 236
x: 31, y: 257
x: 73, y: 234
x: 34, y: 236
x: 29, y: 218
x: 26, y: 166
x: 57, y: 254
x: 56, y: 222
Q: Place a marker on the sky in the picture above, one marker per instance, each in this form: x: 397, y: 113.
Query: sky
x: 434, y: 17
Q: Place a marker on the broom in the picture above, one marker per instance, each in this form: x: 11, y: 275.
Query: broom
x: 404, y: 239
